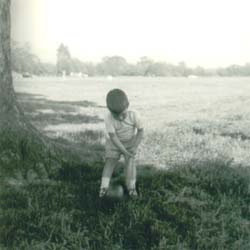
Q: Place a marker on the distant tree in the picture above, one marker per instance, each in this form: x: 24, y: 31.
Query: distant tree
x: 159, y: 69
x: 114, y: 65
x: 232, y: 70
x: 23, y: 60
x: 246, y: 69
x: 183, y: 70
x: 77, y: 65
x: 90, y: 69
x: 235, y: 70
x: 144, y: 66
x: 64, y: 63
x: 199, y: 71
x: 221, y: 71
x: 131, y: 70
x: 48, y: 69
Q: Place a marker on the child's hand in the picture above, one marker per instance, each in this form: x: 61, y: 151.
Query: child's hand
x: 128, y: 154
x: 133, y: 150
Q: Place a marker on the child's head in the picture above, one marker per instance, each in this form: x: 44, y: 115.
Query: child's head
x: 117, y: 101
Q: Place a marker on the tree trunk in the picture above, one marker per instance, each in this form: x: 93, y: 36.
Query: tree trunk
x: 7, y: 96
x: 24, y: 152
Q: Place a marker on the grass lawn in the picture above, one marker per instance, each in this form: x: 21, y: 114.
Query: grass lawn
x: 193, y: 181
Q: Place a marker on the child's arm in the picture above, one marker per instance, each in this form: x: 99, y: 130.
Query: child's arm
x: 139, y: 135
x: 119, y: 145
x: 137, y: 140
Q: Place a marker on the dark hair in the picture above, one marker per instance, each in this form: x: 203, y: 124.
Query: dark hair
x: 117, y: 101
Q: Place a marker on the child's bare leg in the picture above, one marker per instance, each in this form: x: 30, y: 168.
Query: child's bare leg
x: 130, y: 173
x: 108, y: 171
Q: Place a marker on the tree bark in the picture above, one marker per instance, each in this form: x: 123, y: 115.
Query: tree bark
x: 24, y: 151
x: 7, y: 96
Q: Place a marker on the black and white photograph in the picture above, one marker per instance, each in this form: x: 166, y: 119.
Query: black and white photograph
x: 124, y: 125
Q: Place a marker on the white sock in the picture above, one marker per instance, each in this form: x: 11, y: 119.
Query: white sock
x: 131, y: 184
x: 105, y: 182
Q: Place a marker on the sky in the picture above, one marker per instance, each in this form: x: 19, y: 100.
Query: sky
x: 209, y: 33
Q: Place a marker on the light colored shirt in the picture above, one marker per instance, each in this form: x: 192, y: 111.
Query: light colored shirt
x: 126, y: 129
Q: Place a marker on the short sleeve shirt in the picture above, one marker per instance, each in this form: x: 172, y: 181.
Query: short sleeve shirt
x: 126, y: 129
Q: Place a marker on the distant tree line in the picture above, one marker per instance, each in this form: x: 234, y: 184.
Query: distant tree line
x: 24, y: 61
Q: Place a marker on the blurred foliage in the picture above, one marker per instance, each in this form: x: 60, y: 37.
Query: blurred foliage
x: 24, y: 61
x: 63, y: 60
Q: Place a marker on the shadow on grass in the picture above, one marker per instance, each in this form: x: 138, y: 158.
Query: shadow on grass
x: 198, y: 131
x: 42, y: 112
x: 233, y: 135
x: 54, y: 119
x: 236, y: 135
x: 182, y: 208
x: 32, y: 102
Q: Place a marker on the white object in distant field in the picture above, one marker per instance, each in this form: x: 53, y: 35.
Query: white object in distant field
x: 193, y: 76
x: 110, y: 78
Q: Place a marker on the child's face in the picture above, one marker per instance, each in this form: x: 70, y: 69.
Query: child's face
x: 121, y: 116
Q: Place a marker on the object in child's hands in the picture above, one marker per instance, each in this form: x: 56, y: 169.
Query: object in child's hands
x: 115, y: 191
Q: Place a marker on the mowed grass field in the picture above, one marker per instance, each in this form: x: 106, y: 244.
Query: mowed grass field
x: 193, y: 168
x: 186, y: 120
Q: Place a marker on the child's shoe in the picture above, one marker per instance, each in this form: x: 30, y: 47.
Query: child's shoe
x: 103, y: 192
x: 133, y: 193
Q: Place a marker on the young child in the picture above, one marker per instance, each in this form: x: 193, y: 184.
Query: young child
x: 124, y: 134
